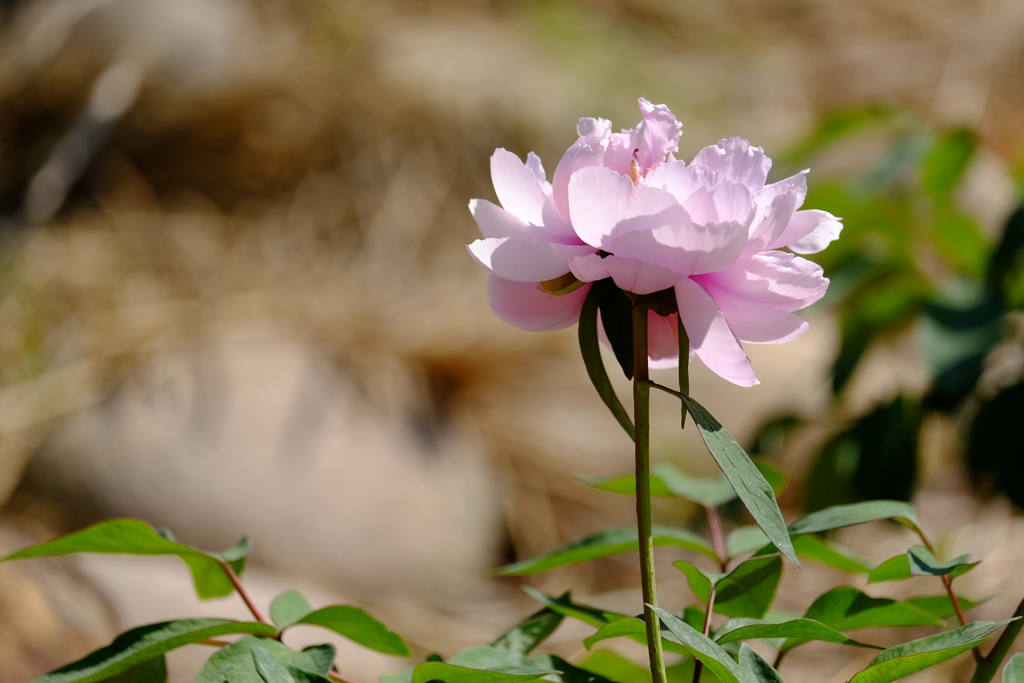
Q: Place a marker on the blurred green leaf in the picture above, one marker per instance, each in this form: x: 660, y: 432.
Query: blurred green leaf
x: 830, y: 554
x: 359, y: 627
x: 273, y: 670
x: 500, y: 660
x: 530, y: 632
x: 947, y: 160
x: 996, y: 440
x: 150, y: 671
x: 288, y: 608
x: 627, y: 485
x: 590, y: 347
x: 134, y: 537
x: 567, y: 673
x: 615, y: 667
x: 712, y: 491
x: 449, y: 673
x: 1013, y: 672
x: 762, y: 670
x: 894, y: 569
x: 845, y: 608
x: 743, y: 539
x: 566, y: 607
x: 838, y: 125
x: 839, y: 516
x: 238, y: 663
x: 917, y: 655
x: 143, y: 643
x: 959, y: 241
x: 602, y: 544
x: 748, y: 482
x: 923, y: 563
x: 801, y: 629
x: 634, y: 629
x: 699, y: 579
x: 939, y: 606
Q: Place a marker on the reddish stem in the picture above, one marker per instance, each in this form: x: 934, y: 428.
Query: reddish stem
x: 237, y: 583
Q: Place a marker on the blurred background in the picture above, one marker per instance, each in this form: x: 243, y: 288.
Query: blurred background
x: 234, y: 299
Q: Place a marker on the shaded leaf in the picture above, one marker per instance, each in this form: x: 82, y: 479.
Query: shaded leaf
x: 138, y: 645
x: 616, y: 314
x: 150, y: 671
x: 602, y: 544
x: 746, y: 538
x: 567, y: 672
x: 923, y: 563
x: 717, y: 660
x: 590, y: 348
x: 845, y: 608
x: 450, y: 673
x: 801, y: 629
x: 566, y: 607
x: 762, y: 670
x: 500, y: 660
x: 358, y: 626
x: 917, y: 655
x: 748, y: 482
x: 530, y: 632
x: 288, y: 608
x: 699, y: 579
x: 839, y: 516
x: 749, y: 589
x: 615, y: 667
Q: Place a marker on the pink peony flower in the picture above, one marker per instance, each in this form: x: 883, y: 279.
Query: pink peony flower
x: 621, y: 206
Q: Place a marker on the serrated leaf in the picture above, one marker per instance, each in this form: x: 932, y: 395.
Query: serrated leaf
x: 450, y: 673
x: 923, y: 563
x: 748, y: 482
x: 917, y: 655
x: 743, y: 539
x: 717, y: 660
x: 566, y: 607
x: 801, y: 629
x: 288, y: 608
x: 134, y: 537
x: 590, y: 348
x: 602, y: 544
x: 634, y: 629
x: 839, y: 516
x: 238, y: 664
x: 150, y: 671
x: 762, y: 670
x: 699, y: 579
x: 833, y: 555
x: 138, y: 645
x: 358, y: 626
x: 749, y: 589
x: 1013, y: 672
x: 615, y: 667
x: 530, y: 632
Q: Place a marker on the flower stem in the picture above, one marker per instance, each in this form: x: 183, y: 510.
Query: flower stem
x: 642, y: 422
x: 237, y: 583
x: 986, y: 669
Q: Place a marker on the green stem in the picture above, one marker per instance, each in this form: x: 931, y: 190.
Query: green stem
x: 237, y: 583
x: 986, y: 669
x: 642, y: 426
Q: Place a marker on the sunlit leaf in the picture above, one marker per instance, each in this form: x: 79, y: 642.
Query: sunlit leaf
x: 138, y: 645
x: 748, y: 482
x: 602, y: 544
x: 530, y: 632
x: 717, y: 660
x: 634, y: 629
x: 894, y: 569
x: 450, y: 673
x: 566, y: 607
x: 845, y: 608
x: 801, y: 629
x: 238, y: 662
x: 940, y: 606
x: 839, y: 516
x: 590, y: 347
x: 627, y: 485
x: 743, y: 539
x: 567, y: 673
x: 288, y: 608
x: 819, y: 550
x: 923, y: 563
x: 615, y: 667
x: 700, y: 580
x: 358, y: 626
x: 710, y: 491
x: 917, y: 655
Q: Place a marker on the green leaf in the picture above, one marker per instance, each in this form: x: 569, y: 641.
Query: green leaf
x: 917, y: 655
x: 947, y: 160
x: 133, y: 647
x: 288, y: 608
x: 566, y: 607
x: 615, y: 667
x: 634, y: 629
x: 845, y: 608
x: 134, y: 537
x: 762, y: 670
x: 530, y: 632
x: 940, y: 606
x: 712, y: 491
x: 923, y: 563
x: 238, y: 662
x: 449, y: 673
x: 150, y: 671
x: 801, y: 629
x: 699, y: 579
x: 894, y: 569
x: 839, y: 516
x: 717, y: 660
x: 1013, y: 672
x: 268, y: 668
x: 590, y: 347
x: 627, y: 485
x: 749, y: 589
x: 602, y: 544
x: 567, y: 673
x: 819, y: 550
x: 358, y: 626
x: 497, y: 659
x: 748, y: 482
x: 743, y: 539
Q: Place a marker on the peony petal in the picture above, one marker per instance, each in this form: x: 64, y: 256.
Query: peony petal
x: 536, y: 167
x: 686, y: 248
x: 657, y: 135
x: 725, y: 202
x: 808, y: 232
x: 588, y: 150
x: 735, y: 160
x: 662, y: 340
x: 598, y: 127
x: 495, y: 221
x: 528, y: 307
x: 776, y: 205
x: 756, y: 323
x: 710, y: 336
x: 517, y: 187
x: 776, y: 279
x: 521, y: 259
x: 629, y: 274
x: 679, y: 179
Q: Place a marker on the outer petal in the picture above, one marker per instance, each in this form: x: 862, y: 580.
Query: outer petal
x: 521, y: 259
x: 776, y: 204
x: 495, y: 221
x: 776, y: 279
x: 734, y: 159
x: 528, y: 307
x: 629, y: 274
x: 710, y: 336
x: 759, y: 324
x: 686, y: 248
x: 517, y: 187
x: 662, y: 340
x: 808, y: 232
